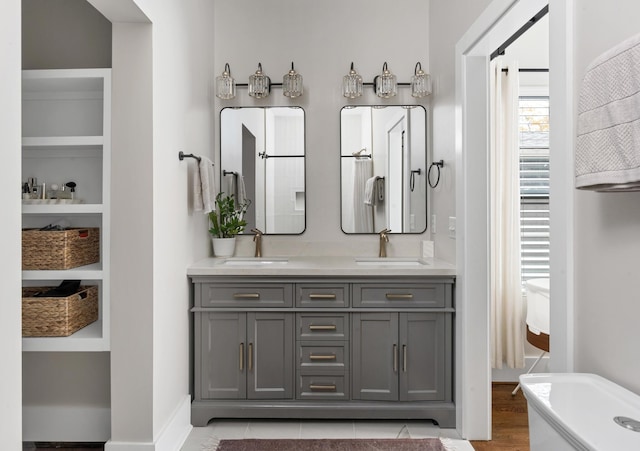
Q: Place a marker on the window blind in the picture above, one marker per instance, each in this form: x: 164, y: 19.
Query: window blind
x: 534, y: 186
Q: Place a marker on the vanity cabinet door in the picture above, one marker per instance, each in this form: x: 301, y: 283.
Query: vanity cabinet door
x: 374, y: 358
x: 223, y: 350
x: 422, y: 356
x: 247, y: 355
x: 399, y: 356
x: 270, y: 358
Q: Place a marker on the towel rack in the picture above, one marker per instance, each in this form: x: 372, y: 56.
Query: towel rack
x: 225, y: 173
x: 358, y: 154
x: 438, y: 165
x: 182, y: 156
x: 265, y: 155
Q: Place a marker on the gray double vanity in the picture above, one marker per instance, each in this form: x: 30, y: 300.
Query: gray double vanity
x: 318, y: 336
x: 323, y: 337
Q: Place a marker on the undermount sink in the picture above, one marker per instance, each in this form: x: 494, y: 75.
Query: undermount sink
x: 255, y: 261
x: 391, y: 261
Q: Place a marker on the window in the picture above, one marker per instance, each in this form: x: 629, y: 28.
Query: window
x: 534, y: 186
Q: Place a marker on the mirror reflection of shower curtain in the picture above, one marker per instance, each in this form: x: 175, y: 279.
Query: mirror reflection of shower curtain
x: 362, y: 213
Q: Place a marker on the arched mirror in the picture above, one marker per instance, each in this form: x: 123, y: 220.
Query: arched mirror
x: 383, y: 155
x: 262, y: 159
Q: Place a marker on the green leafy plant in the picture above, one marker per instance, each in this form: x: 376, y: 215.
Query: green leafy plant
x: 227, y: 220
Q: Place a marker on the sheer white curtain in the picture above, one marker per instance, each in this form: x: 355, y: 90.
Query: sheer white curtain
x: 507, y: 320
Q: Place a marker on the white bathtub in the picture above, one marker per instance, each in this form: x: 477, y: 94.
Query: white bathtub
x: 576, y: 412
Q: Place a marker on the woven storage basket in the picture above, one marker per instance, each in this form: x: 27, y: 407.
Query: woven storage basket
x: 58, y: 316
x: 63, y: 249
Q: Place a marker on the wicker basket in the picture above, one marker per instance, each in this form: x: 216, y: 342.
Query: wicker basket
x: 64, y: 249
x: 58, y: 316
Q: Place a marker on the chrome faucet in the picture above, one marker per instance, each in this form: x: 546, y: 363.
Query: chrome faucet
x: 384, y: 239
x: 257, y: 238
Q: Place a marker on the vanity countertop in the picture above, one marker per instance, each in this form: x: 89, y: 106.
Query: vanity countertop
x: 320, y: 266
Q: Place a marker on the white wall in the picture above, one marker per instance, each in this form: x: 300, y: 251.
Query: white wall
x: 607, y: 279
x: 182, y: 121
x: 10, y: 312
x: 450, y: 19
x: 168, y: 67
x: 322, y: 38
x: 132, y: 235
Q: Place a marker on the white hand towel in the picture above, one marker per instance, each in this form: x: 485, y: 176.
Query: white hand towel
x: 370, y: 192
x: 242, y: 191
x: 204, y: 186
x: 232, y: 185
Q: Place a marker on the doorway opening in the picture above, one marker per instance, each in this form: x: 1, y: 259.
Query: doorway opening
x: 500, y: 20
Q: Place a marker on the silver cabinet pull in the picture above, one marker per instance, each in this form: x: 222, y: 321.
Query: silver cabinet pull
x: 250, y: 363
x: 322, y: 356
x: 246, y: 296
x: 322, y: 327
x: 395, y: 358
x: 392, y: 296
x: 404, y: 358
x: 241, y: 356
x: 322, y: 296
x: 322, y: 387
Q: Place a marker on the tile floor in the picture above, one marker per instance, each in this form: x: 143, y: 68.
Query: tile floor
x: 203, y: 438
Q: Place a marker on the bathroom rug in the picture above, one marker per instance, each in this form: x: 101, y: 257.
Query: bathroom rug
x: 425, y: 444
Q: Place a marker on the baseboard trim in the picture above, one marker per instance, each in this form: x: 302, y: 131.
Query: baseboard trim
x: 171, y: 438
x: 513, y: 374
x: 177, y: 430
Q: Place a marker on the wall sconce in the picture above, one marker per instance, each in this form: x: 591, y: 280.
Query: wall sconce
x: 292, y: 83
x: 386, y: 85
x: 352, y: 84
x: 259, y: 84
x: 225, y: 84
x: 420, y: 82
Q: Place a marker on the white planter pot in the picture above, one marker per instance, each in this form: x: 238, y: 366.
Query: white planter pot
x: 223, y: 247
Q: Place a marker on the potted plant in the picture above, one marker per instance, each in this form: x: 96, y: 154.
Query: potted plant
x: 227, y: 221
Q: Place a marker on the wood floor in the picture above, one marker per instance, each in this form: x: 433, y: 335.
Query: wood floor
x: 510, y: 425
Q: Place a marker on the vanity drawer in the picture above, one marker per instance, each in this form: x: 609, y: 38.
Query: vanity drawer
x: 323, y: 355
x: 403, y: 295
x: 246, y: 295
x: 324, y: 386
x: 322, y: 326
x: 322, y: 295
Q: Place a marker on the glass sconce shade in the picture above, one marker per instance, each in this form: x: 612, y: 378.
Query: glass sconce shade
x: 292, y: 83
x: 420, y: 82
x: 352, y: 84
x: 225, y: 84
x: 386, y: 85
x: 259, y: 84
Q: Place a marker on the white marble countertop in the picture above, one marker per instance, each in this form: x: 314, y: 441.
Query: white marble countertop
x: 321, y: 266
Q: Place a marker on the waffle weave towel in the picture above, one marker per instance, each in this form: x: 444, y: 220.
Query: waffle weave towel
x: 607, y: 156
